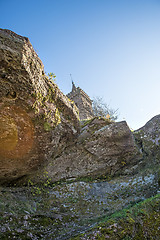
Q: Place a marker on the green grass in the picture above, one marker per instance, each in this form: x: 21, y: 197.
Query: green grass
x: 141, y: 221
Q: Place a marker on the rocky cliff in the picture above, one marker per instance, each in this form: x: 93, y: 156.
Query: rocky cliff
x: 148, y: 138
x: 40, y: 129
x: 36, y: 117
x: 39, y: 124
x: 101, y: 167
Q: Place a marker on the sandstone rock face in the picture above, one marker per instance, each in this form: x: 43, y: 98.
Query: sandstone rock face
x: 39, y: 126
x: 36, y: 117
x: 101, y: 149
x: 148, y: 139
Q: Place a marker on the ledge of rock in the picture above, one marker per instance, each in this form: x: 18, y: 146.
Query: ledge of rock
x: 36, y: 118
x: 102, y: 149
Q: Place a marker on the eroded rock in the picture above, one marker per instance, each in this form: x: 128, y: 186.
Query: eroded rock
x: 148, y: 139
x: 101, y: 149
x: 36, y: 117
x: 40, y: 126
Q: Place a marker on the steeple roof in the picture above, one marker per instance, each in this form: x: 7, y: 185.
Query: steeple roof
x: 73, y: 87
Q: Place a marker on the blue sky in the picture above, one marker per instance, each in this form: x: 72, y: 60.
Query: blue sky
x: 111, y: 48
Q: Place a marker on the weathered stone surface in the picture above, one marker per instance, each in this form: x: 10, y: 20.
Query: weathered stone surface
x: 62, y: 211
x: 38, y: 135
x: 39, y: 125
x: 100, y: 149
x: 36, y: 117
x: 148, y: 139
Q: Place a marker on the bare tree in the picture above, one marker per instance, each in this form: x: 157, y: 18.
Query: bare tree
x: 100, y: 108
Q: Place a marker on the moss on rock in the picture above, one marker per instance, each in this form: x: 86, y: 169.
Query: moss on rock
x: 139, y: 222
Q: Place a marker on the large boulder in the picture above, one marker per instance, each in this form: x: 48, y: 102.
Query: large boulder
x: 148, y: 139
x: 36, y: 118
x: 102, y: 149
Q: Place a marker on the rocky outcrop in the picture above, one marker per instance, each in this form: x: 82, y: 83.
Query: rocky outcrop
x: 102, y: 149
x: 40, y: 139
x: 40, y: 126
x: 36, y: 118
x: 148, y: 140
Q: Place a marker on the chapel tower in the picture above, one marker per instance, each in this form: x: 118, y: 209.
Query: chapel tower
x: 82, y: 101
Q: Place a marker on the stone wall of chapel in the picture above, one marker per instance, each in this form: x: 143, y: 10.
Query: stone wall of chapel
x: 83, y: 102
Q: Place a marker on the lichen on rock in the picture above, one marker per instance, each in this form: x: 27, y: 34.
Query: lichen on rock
x: 29, y: 101
x: 101, y: 149
x: 148, y: 140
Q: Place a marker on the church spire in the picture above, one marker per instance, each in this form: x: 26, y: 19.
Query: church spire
x: 73, y: 85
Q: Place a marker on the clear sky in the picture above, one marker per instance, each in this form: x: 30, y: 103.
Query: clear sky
x: 111, y: 48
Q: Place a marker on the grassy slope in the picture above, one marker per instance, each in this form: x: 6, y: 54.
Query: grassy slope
x: 141, y: 221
